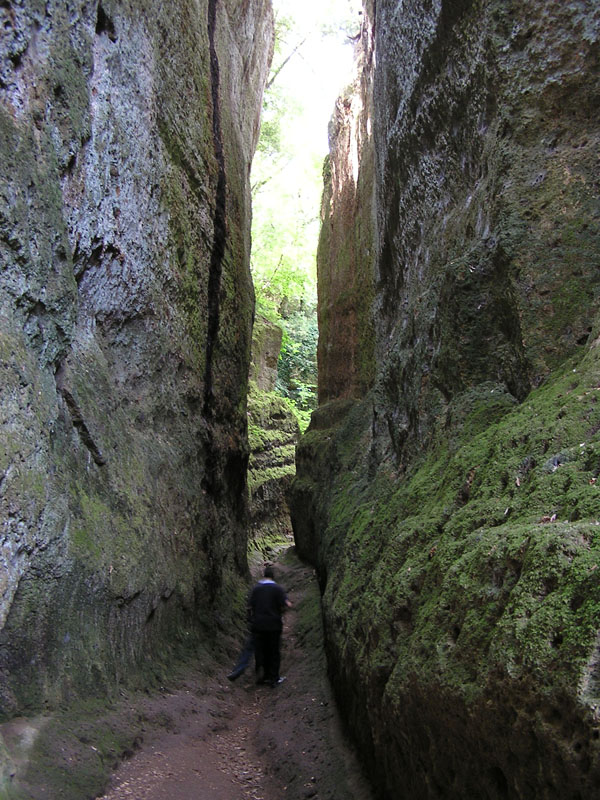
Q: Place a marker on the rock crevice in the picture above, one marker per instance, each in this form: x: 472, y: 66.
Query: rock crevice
x: 220, y: 216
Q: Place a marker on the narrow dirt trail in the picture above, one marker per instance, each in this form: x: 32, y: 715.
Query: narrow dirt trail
x: 239, y: 741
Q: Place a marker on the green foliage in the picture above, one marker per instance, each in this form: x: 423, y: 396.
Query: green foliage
x: 287, y: 180
x: 297, y: 368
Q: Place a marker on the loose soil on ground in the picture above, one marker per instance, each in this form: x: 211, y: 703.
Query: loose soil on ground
x: 222, y: 740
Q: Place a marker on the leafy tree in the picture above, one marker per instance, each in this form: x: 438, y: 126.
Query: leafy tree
x: 297, y: 368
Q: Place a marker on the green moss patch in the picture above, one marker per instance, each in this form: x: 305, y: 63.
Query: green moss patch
x: 474, y: 568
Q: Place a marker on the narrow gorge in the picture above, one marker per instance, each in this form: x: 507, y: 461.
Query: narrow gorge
x: 446, y: 490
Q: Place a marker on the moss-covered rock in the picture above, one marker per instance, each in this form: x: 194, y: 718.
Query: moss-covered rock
x: 273, y: 432
x: 452, y: 511
x: 462, y: 598
x: 126, y: 131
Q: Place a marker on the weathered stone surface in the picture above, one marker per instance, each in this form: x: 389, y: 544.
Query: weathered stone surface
x: 266, y: 346
x: 453, y: 511
x: 126, y: 133
x: 346, y: 246
x: 272, y: 436
x: 487, y: 213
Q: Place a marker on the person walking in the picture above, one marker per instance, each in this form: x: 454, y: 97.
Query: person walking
x: 267, y: 603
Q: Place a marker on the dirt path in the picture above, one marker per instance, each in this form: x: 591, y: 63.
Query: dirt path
x: 238, y: 741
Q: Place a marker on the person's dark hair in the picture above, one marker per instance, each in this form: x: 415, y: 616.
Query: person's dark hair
x: 269, y: 573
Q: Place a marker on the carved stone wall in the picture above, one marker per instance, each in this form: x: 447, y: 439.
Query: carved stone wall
x: 452, y: 510
x: 126, y: 131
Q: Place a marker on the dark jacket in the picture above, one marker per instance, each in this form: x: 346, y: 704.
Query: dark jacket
x: 266, y: 605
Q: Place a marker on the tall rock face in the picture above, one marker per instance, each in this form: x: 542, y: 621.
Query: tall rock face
x: 345, y: 288
x: 453, y: 510
x: 486, y: 199
x: 126, y: 131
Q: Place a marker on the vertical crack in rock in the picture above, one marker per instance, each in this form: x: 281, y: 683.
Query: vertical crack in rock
x: 77, y: 418
x: 220, y: 225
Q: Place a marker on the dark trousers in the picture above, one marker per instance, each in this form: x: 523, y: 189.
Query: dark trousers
x: 267, y: 653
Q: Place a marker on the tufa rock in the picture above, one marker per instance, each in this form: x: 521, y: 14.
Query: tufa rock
x: 273, y: 432
x: 460, y: 575
x: 127, y: 131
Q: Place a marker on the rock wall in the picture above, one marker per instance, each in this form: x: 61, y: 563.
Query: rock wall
x: 273, y: 432
x: 453, y: 510
x: 345, y: 352
x: 266, y: 346
x: 126, y: 131
x: 486, y: 199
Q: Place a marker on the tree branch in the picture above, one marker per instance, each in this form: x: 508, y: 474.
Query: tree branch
x: 282, y: 65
